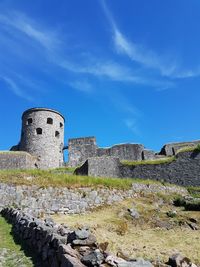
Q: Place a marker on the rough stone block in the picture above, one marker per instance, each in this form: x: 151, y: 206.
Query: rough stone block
x: 148, y: 154
x: 101, y: 167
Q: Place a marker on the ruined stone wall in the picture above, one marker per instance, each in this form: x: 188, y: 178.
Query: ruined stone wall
x: 123, y: 151
x: 80, y: 149
x: 17, y: 160
x: 68, y: 200
x: 184, y: 170
x: 172, y: 148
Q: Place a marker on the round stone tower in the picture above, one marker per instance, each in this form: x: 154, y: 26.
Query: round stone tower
x: 42, y: 136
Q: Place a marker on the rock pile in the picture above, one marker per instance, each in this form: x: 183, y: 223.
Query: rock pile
x: 59, y: 246
x: 35, y: 200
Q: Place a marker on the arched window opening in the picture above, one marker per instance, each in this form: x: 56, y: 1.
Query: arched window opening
x: 29, y: 121
x: 57, y: 134
x: 39, y: 130
x: 49, y: 121
x: 61, y: 125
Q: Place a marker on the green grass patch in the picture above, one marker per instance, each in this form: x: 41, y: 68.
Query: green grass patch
x: 149, y: 162
x: 11, y: 253
x: 194, y: 191
x: 45, y: 178
x: 189, y: 149
x: 65, y: 169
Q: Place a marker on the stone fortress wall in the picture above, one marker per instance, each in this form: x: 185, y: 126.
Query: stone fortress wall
x: 42, y: 144
x: 17, y: 160
x: 184, y: 169
x: 80, y: 149
x: 42, y: 135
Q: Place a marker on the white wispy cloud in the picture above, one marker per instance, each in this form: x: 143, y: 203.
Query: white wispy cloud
x: 82, y: 86
x: 141, y: 54
x: 131, y: 123
x: 12, y: 86
x: 115, y: 72
x: 109, y: 69
x: 25, y: 25
x: 166, y: 65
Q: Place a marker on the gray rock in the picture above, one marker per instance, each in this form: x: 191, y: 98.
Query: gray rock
x: 82, y: 233
x: 69, y: 261
x: 134, y: 213
x: 90, y: 241
x: 137, y: 263
x: 93, y: 259
x: 177, y: 260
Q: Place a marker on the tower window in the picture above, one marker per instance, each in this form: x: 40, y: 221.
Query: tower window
x: 49, y: 121
x: 57, y: 134
x: 39, y: 130
x: 61, y: 125
x: 29, y: 121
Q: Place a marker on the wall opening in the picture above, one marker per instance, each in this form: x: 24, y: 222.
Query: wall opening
x: 49, y: 121
x: 39, y: 130
x: 57, y: 134
x: 61, y: 125
x: 29, y: 121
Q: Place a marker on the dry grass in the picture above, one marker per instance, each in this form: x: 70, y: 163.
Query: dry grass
x: 58, y: 178
x: 140, y: 238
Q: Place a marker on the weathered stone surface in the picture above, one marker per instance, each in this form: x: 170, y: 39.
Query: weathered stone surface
x: 16, y: 160
x: 100, y: 166
x: 148, y: 154
x: 134, y: 213
x: 69, y: 261
x: 70, y: 201
x: 80, y: 149
x: 184, y: 170
x: 177, y: 260
x: 137, y: 263
x: 172, y: 148
x: 90, y: 241
x: 94, y: 258
x: 47, y: 144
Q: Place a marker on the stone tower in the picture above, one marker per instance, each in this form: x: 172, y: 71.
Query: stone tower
x: 42, y: 135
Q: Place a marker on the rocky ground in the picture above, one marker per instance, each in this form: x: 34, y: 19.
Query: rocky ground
x: 148, y: 226
x: 142, y: 221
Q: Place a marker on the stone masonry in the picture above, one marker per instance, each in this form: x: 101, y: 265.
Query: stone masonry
x: 80, y: 149
x: 42, y: 135
x: 183, y: 170
x: 17, y: 160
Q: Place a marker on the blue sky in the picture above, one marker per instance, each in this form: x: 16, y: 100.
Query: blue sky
x: 121, y: 70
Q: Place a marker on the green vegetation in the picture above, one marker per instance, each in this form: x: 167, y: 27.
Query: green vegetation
x: 189, y: 149
x: 144, y: 162
x: 10, y: 252
x: 46, y: 178
x: 197, y: 148
x: 194, y: 191
x: 191, y: 204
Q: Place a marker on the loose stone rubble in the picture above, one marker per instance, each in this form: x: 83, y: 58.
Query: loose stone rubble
x: 36, y: 200
x: 59, y: 246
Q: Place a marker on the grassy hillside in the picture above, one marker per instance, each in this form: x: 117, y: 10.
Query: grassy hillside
x: 11, y: 254
x: 63, y: 177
